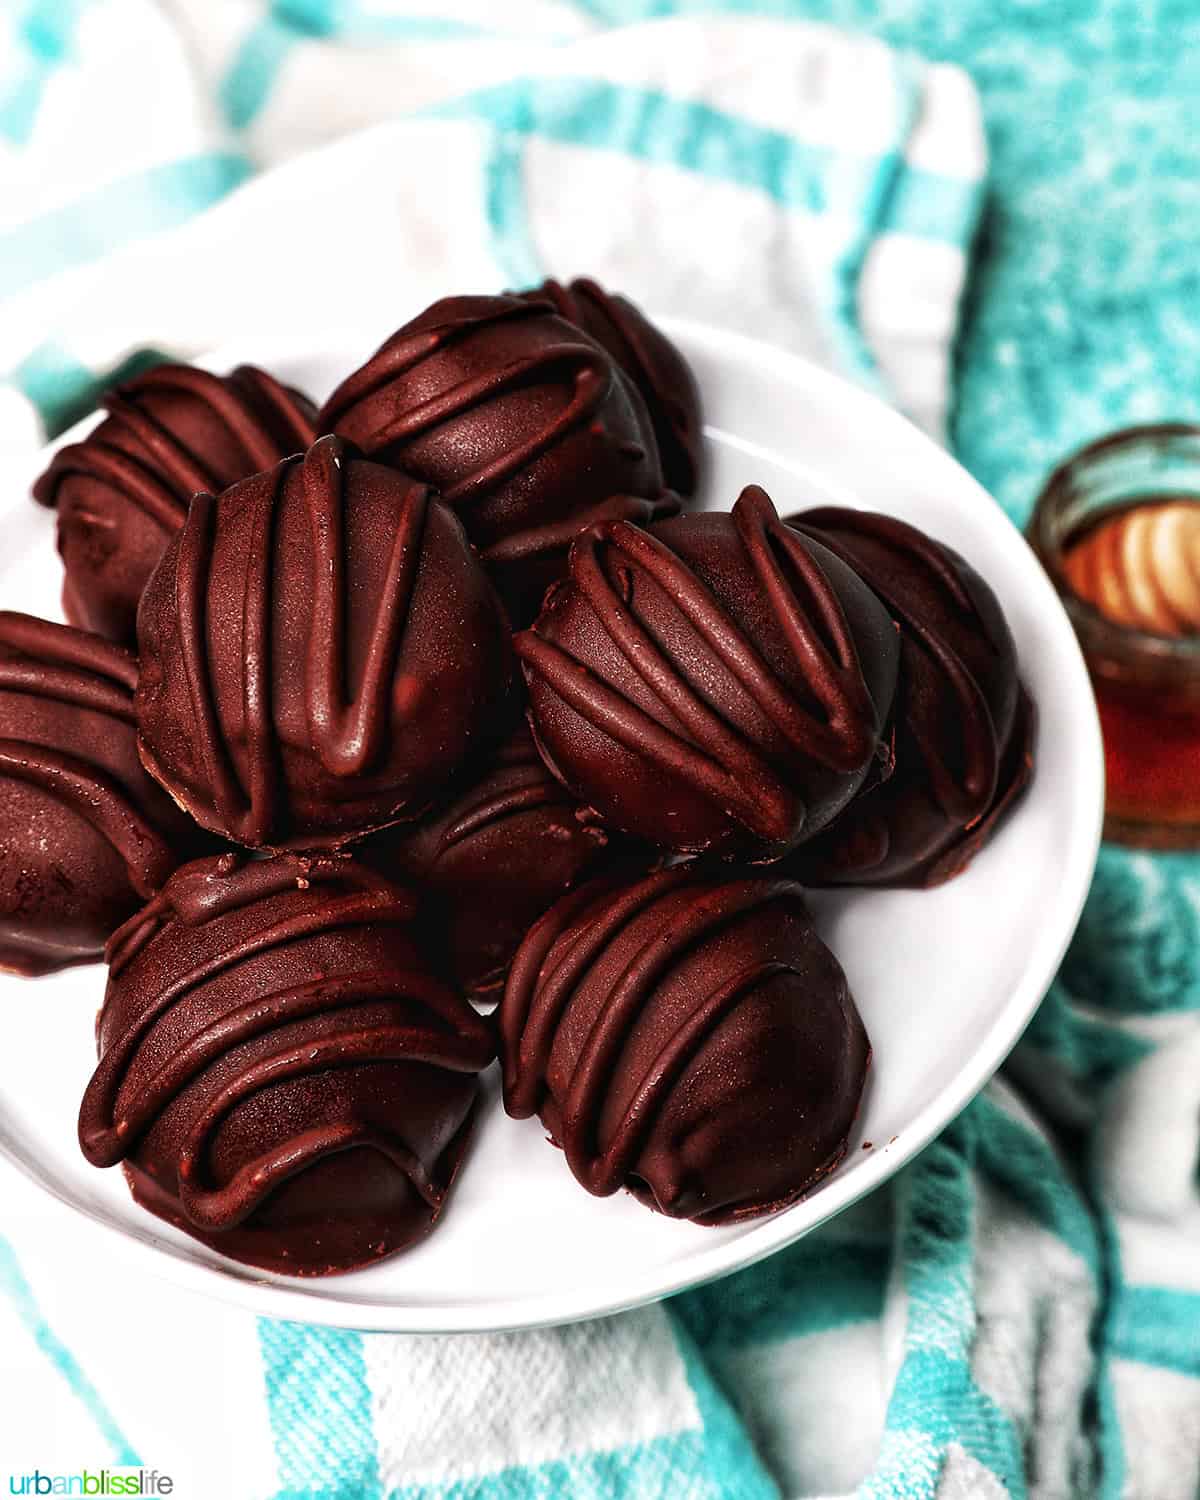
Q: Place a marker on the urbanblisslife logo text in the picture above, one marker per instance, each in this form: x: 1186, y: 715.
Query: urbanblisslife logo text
x: 99, y: 1482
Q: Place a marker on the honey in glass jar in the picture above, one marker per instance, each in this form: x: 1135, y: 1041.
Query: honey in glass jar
x: 1118, y: 529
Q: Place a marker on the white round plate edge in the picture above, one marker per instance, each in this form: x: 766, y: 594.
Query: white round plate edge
x: 233, y: 1284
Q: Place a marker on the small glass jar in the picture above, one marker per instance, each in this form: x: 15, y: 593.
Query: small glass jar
x: 1147, y: 686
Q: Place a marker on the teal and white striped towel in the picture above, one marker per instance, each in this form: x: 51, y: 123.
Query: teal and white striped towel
x: 799, y: 185
x: 997, y: 1321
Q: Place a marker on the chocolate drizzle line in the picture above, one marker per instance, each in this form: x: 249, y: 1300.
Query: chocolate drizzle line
x: 535, y: 788
x: 350, y: 736
x: 537, y: 999
x: 337, y: 912
x: 192, y: 565
x: 633, y: 331
x: 403, y: 351
x: 210, y: 888
x: 229, y: 403
x: 1014, y: 776
x: 72, y: 667
x: 566, y: 302
x: 223, y: 1208
x: 652, y: 364
x: 116, y: 468
x: 715, y: 759
x: 181, y: 473
x: 262, y: 759
x: 294, y: 424
x: 347, y: 736
x: 450, y: 1036
x: 47, y: 640
x: 555, y: 536
x: 99, y: 801
x: 586, y: 366
x: 966, y: 798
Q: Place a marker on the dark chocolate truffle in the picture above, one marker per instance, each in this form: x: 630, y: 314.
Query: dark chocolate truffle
x: 280, y: 1071
x: 690, y: 1039
x: 718, y: 683
x: 85, y: 835
x: 963, y: 723
x: 494, y: 860
x: 321, y: 654
x: 522, y: 422
x: 656, y: 367
x: 122, y: 492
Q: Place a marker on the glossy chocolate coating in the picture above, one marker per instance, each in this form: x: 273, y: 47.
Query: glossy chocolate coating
x: 963, y: 724
x: 656, y: 367
x: 690, y: 1039
x: 523, y: 423
x: 718, y: 683
x: 493, y: 860
x: 321, y: 654
x: 123, y: 491
x: 85, y: 835
x: 280, y: 1072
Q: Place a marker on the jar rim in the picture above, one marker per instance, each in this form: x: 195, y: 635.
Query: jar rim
x: 1105, y: 634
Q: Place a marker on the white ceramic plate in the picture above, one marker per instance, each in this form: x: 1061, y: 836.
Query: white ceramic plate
x: 946, y: 980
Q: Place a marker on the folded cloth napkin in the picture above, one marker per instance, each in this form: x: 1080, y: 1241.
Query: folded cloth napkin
x: 799, y: 185
x: 1011, y: 1315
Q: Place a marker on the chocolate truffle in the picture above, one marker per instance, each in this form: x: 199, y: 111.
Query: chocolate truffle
x: 321, y: 654
x: 963, y: 723
x: 493, y: 861
x: 690, y: 1039
x: 718, y: 683
x: 85, y: 835
x: 656, y: 367
x: 522, y: 422
x: 123, y: 492
x: 280, y: 1072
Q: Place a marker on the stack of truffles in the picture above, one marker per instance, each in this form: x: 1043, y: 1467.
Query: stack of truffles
x: 433, y: 725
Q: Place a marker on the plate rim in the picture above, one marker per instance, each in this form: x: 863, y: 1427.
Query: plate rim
x: 236, y: 1285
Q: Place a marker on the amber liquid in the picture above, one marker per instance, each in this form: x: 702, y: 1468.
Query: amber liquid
x: 1151, y: 758
x: 1150, y: 720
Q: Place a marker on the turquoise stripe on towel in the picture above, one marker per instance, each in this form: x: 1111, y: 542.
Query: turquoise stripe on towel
x: 936, y: 1401
x: 116, y: 214
x: 869, y: 194
x: 867, y: 210
x: 44, y: 32
x: 320, y: 1410
x: 775, y: 1300
x: 1157, y: 1325
x: 251, y: 77
x: 507, y: 219
x: 1024, y: 1163
x: 685, y: 1466
x: 696, y: 137
x: 728, y: 1468
x: 260, y: 58
x: 14, y: 1285
x: 362, y: 20
x: 64, y: 391
x: 1137, y: 948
